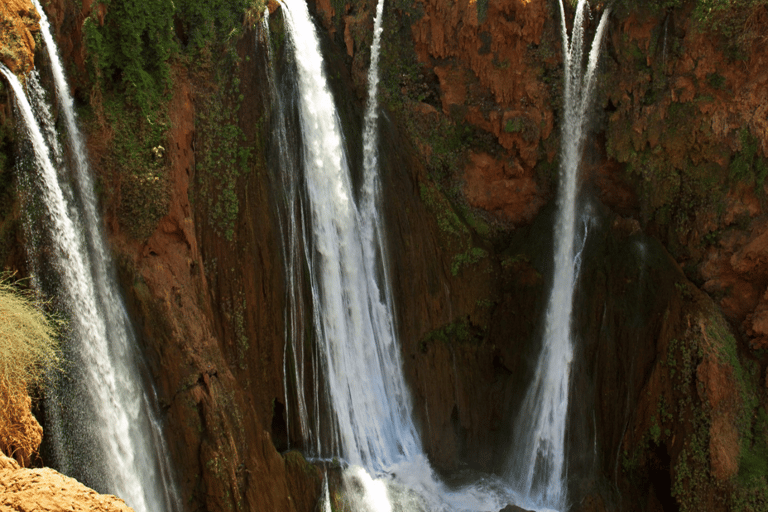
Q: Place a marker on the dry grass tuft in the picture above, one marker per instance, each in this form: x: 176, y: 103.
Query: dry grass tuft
x: 28, y: 347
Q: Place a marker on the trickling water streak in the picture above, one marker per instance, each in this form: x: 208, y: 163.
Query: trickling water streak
x: 538, y: 466
x: 291, y: 231
x: 325, y: 499
x: 124, y: 435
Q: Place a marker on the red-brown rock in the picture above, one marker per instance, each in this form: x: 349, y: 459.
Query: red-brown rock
x: 502, y: 188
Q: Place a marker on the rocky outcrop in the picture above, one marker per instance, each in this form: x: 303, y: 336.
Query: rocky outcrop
x: 18, y: 24
x: 31, y: 490
x: 479, y: 52
x: 688, y: 129
x: 20, y: 433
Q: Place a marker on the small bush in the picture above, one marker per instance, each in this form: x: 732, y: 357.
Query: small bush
x: 28, y: 347
x: 28, y: 337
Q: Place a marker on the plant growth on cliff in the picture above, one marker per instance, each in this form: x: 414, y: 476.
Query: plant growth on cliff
x: 28, y: 348
x: 28, y: 337
x: 131, y: 48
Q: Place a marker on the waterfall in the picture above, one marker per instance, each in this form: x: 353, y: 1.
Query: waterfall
x: 349, y: 304
x: 353, y: 325
x: 101, y: 421
x: 538, y: 465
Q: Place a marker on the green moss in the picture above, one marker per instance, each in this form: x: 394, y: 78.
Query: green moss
x: 448, y: 221
x: 716, y: 80
x: 730, y: 21
x: 746, y: 373
x: 225, y: 155
x: 130, y: 51
x: 206, y: 22
x: 513, y: 125
x: 457, y: 332
x: 753, y: 465
x: 129, y: 57
x: 138, y: 166
x: 467, y: 258
x: 748, y: 165
x: 296, y: 459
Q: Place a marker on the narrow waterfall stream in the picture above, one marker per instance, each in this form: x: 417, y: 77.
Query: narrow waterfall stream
x: 102, y: 421
x: 538, y: 466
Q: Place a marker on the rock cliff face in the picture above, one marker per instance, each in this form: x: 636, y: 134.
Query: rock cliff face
x: 672, y: 303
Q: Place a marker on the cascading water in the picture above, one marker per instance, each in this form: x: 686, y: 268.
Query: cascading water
x: 111, y: 439
x: 354, y: 329
x: 538, y: 463
x: 350, y: 300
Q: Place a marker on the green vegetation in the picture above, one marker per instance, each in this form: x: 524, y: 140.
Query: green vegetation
x: 692, y: 480
x: 683, y: 419
x: 448, y: 221
x: 676, y: 164
x: 748, y: 165
x: 514, y: 125
x: 235, y: 311
x: 753, y: 466
x: 455, y: 232
x: 137, y: 162
x: 457, y: 332
x: 296, y: 459
x: 469, y: 257
x: 734, y: 22
x: 691, y: 469
x: 130, y: 55
x: 716, y: 80
x: 131, y: 51
x: 225, y: 153
x: 482, y: 10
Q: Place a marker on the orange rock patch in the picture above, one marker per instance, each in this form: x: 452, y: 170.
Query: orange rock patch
x: 20, y: 433
x: 18, y: 21
x: 502, y: 188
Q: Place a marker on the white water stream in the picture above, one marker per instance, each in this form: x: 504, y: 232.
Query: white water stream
x: 352, y: 311
x: 538, y: 467
x: 354, y: 327
x: 105, y: 406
